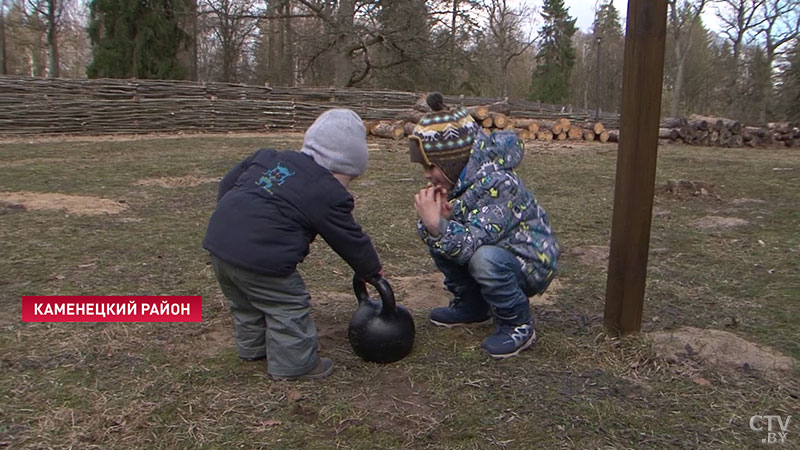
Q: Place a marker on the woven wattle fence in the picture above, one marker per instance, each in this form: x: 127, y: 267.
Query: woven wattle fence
x: 36, y: 106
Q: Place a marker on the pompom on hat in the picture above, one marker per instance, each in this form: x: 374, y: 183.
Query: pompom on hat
x: 443, y: 138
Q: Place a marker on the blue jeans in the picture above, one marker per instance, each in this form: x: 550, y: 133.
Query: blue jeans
x: 492, y: 278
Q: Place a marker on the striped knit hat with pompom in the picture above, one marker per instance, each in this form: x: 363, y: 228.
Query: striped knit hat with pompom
x: 443, y: 138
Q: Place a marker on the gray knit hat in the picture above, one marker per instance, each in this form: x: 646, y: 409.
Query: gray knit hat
x: 337, y: 141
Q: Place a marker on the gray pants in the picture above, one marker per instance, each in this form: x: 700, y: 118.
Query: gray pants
x: 271, y: 315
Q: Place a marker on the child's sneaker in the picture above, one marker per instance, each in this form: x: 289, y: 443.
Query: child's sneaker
x: 457, y: 315
x: 509, y: 340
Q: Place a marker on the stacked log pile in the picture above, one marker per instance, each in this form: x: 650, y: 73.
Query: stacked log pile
x: 722, y: 132
x: 497, y: 116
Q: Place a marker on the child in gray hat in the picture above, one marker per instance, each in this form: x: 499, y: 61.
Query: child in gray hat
x: 270, y: 207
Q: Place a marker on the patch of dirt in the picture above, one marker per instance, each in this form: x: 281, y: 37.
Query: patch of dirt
x: 719, y: 349
x: 421, y: 293
x: 418, y: 294
x: 593, y: 255
x: 548, y: 298
x: 215, y: 339
x: 73, y: 204
x: 332, y: 312
x: 686, y: 188
x: 177, y: 182
x: 719, y: 222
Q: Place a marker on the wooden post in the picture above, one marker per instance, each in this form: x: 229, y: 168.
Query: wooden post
x: 643, y: 70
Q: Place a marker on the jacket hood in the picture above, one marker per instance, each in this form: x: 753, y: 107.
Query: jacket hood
x: 502, y: 150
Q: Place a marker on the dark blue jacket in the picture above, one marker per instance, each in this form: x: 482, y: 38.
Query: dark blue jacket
x: 272, y: 205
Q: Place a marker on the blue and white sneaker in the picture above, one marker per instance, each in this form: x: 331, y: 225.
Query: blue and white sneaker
x: 509, y: 340
x: 456, y: 315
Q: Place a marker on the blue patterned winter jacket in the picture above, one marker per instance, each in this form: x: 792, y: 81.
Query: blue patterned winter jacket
x: 492, y: 206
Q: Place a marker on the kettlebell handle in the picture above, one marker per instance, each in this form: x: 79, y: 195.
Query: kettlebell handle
x: 384, y: 290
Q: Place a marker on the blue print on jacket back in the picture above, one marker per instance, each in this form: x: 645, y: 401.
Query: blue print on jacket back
x: 274, y: 176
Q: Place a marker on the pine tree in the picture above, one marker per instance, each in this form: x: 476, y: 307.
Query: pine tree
x: 556, y: 56
x: 608, y: 29
x: 139, y: 38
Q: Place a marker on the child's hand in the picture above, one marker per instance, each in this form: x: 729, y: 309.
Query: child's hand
x: 447, y: 207
x: 429, y: 206
x: 441, y: 192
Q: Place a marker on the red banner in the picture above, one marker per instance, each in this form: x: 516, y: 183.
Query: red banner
x: 118, y: 308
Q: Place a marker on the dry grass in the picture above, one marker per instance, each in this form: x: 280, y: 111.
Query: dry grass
x: 181, y: 385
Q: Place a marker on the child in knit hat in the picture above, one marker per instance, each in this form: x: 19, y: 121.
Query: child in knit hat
x: 483, y: 227
x: 270, y: 207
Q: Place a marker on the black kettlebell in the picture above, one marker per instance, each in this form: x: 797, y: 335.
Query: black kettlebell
x: 380, y: 331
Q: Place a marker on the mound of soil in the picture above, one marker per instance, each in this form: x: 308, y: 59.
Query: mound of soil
x: 73, y: 204
x: 176, y: 182
x: 719, y: 222
x: 686, y: 188
x: 719, y: 349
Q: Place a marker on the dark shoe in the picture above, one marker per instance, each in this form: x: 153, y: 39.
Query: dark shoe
x: 255, y: 359
x: 509, y: 340
x: 322, y: 370
x: 457, y: 316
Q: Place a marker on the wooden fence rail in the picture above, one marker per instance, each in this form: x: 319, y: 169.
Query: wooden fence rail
x: 31, y: 106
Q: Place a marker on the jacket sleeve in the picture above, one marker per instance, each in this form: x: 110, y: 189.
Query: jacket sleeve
x: 486, y: 223
x: 229, y: 180
x: 344, y: 235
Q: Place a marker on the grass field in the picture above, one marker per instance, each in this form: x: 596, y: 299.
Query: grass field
x: 149, y: 385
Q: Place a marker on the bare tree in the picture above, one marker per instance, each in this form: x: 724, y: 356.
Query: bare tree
x: 684, y: 15
x: 233, y: 24
x: 50, y: 11
x: 348, y: 40
x: 780, y: 25
x: 739, y: 19
x: 506, y: 27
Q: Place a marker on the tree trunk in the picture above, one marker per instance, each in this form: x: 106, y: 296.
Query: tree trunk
x: 52, y: 38
x: 408, y: 128
x: 410, y: 116
x: 500, y: 120
x: 555, y: 126
x: 675, y: 122
x: 500, y: 107
x: 3, y: 64
x: 479, y: 112
x: 391, y: 130
x: 677, y: 90
x: 668, y: 133
x: 342, y: 63
x: 287, y: 66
